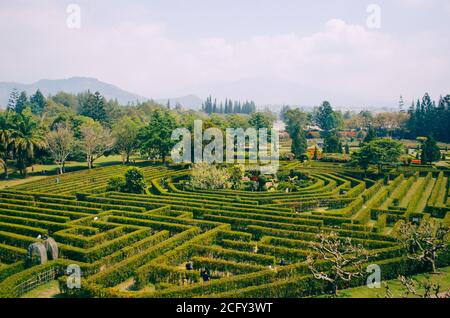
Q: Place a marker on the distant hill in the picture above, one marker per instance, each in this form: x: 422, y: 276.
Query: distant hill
x: 189, y: 101
x: 71, y: 85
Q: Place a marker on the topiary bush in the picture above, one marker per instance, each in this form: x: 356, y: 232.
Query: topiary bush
x: 132, y: 182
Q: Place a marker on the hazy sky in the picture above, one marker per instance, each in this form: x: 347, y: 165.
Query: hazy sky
x: 278, y: 51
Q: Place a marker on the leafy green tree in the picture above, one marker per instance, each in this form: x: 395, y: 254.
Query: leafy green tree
x: 430, y: 151
x: 260, y: 120
x: 116, y: 184
x: 379, y: 152
x: 67, y: 100
x: 155, y: 138
x: 134, y: 181
x: 332, y: 144
x: 296, y: 120
x: 325, y: 117
x: 299, y: 144
x: 367, y: 118
x: 371, y: 135
x: 126, y: 133
x: 27, y: 136
x: 362, y: 159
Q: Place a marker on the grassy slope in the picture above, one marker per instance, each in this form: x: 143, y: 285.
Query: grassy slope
x: 37, y: 173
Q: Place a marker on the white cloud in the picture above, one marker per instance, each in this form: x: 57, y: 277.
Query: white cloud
x: 346, y: 62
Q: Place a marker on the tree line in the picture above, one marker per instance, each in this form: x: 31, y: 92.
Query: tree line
x: 428, y: 118
x: 375, y: 147
x: 85, y: 127
x: 229, y: 107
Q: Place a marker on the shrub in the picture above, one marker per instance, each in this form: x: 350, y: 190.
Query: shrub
x: 206, y: 177
x: 116, y: 184
x: 134, y: 181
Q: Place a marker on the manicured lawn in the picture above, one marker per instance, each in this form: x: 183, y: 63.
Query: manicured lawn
x: 396, y: 287
x: 37, y: 171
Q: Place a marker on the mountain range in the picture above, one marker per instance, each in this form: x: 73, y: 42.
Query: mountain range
x: 76, y: 85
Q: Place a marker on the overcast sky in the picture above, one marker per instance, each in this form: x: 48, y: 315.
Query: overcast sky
x: 275, y: 52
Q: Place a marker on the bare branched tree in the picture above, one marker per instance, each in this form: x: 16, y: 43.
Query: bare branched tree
x: 96, y: 141
x: 415, y: 288
x: 389, y: 293
x: 346, y: 259
x: 425, y: 241
x: 60, y: 143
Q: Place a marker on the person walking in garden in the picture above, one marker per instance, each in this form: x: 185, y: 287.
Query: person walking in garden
x: 206, y: 275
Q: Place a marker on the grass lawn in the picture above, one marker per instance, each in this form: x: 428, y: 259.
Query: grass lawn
x: 443, y: 279
x: 36, y: 172
x: 49, y: 290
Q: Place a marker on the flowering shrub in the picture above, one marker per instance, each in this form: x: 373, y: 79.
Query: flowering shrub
x: 205, y: 177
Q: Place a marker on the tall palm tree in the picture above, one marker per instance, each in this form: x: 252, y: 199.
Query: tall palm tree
x: 5, y: 140
x: 27, y: 135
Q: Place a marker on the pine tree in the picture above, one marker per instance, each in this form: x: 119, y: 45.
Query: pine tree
x: 22, y: 102
x: 226, y: 106
x: 13, y: 97
x: 411, y: 124
x: 214, y: 109
x: 37, y: 102
x: 332, y: 144
x: 93, y: 106
x: 347, y: 149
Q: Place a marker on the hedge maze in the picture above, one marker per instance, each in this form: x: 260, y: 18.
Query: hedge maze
x: 140, y: 245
